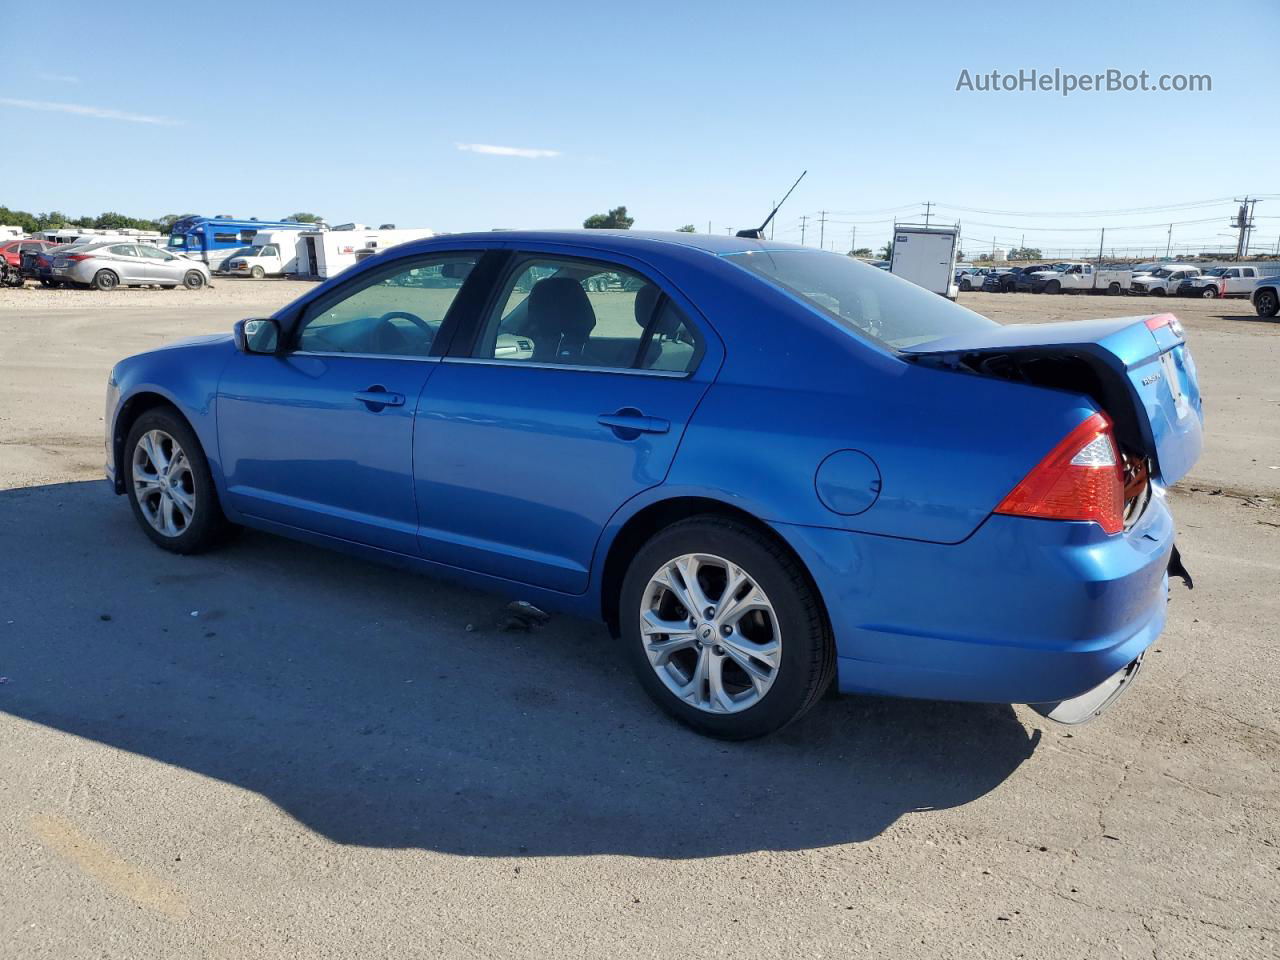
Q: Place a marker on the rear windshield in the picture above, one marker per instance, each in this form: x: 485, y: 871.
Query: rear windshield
x: 868, y: 302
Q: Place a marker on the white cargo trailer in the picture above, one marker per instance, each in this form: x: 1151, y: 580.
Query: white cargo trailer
x: 329, y: 253
x: 926, y: 255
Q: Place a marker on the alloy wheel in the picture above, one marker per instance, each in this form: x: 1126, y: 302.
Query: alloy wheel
x: 164, y: 483
x: 710, y: 633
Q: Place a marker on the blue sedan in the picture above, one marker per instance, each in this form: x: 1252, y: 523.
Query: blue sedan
x: 767, y: 468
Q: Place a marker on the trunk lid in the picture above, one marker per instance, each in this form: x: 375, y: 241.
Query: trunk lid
x: 1138, y: 369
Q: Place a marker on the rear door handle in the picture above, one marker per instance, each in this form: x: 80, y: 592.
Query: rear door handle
x: 631, y: 421
x: 378, y: 397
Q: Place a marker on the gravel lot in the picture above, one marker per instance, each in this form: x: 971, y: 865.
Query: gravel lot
x: 274, y: 751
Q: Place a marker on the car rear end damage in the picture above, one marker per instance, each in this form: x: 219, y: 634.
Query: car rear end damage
x: 1055, y: 598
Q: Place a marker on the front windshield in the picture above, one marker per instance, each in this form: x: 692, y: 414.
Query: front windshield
x: 177, y: 240
x: 863, y: 300
x: 1162, y: 273
x: 1217, y: 272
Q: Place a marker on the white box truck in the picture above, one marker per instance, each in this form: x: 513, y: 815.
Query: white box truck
x: 926, y: 255
x: 327, y: 254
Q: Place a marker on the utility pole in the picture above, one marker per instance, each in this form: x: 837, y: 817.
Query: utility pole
x: 1244, y: 223
x: 804, y: 220
x: 729, y: 231
x: 928, y: 208
x: 822, y: 229
x: 1169, y: 243
x: 993, y: 249
x: 1101, y: 240
x: 708, y: 226
x: 853, y: 240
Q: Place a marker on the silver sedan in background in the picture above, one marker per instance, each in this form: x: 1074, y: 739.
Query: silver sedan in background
x: 106, y: 266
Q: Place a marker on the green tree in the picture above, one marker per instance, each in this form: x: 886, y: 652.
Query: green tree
x: 1025, y: 253
x: 886, y: 252
x: 861, y: 252
x: 305, y: 217
x: 687, y: 228
x: 615, y: 219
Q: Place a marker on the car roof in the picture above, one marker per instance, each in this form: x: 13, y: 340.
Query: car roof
x: 616, y: 241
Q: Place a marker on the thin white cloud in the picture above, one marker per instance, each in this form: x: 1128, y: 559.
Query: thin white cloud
x: 59, y: 77
x: 531, y: 153
x: 101, y: 113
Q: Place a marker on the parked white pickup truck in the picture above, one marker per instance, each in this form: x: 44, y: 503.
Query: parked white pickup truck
x: 1165, y: 281
x: 1266, y: 296
x: 1081, y: 277
x: 1222, y: 282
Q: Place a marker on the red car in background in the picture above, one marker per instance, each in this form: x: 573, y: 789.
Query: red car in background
x: 12, y: 250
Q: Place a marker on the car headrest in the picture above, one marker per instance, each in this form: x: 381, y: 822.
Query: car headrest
x: 558, y: 306
x: 668, y: 321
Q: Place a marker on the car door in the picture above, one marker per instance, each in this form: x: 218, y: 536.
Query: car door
x: 320, y: 435
x: 568, y: 398
x: 124, y: 259
x: 161, y: 267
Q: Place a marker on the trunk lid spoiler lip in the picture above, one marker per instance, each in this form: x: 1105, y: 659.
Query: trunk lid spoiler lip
x: 1078, y: 334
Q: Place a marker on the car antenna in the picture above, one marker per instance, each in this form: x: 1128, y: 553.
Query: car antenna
x: 758, y: 232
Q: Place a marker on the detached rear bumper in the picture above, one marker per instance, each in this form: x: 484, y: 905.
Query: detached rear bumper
x: 1024, y: 611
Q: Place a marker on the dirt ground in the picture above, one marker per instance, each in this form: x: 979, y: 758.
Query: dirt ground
x: 275, y: 751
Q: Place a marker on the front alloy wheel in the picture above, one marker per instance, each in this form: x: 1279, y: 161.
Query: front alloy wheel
x: 164, y: 483
x: 710, y: 633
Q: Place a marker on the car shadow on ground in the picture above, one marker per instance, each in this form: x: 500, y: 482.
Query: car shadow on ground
x: 386, y: 709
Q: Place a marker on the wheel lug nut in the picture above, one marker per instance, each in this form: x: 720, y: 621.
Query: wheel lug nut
x: 718, y: 650
x: 711, y: 612
x: 727, y: 630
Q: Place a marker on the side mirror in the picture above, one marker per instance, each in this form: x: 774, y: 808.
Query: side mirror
x: 257, y: 336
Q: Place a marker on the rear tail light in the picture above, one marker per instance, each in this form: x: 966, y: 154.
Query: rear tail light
x: 1080, y: 479
x: 76, y: 257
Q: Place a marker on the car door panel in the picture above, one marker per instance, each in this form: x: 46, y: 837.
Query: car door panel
x: 298, y: 446
x: 515, y: 473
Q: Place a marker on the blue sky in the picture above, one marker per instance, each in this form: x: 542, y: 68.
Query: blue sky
x: 685, y: 112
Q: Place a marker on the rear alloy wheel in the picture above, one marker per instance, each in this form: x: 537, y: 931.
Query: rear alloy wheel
x: 194, y: 280
x: 169, y: 484
x: 257, y: 273
x: 106, y: 280
x: 1266, y: 303
x: 1113, y: 289
x: 1209, y: 293
x: 965, y: 286
x: 724, y: 629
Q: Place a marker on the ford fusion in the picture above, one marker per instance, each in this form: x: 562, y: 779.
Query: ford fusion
x: 765, y: 467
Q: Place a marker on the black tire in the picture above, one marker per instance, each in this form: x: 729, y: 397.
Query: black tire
x: 208, y: 525
x: 965, y: 286
x: 168, y: 286
x: 1053, y: 286
x: 1266, y: 303
x: 1210, y: 292
x: 105, y: 280
x: 47, y: 283
x: 194, y: 280
x: 807, y: 663
x: 1114, y: 289
x: 257, y: 273
x: 1157, y: 292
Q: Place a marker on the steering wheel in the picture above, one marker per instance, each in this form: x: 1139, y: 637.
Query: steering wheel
x: 412, y: 318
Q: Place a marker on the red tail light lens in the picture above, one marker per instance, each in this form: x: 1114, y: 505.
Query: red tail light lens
x: 1080, y: 479
x: 77, y: 257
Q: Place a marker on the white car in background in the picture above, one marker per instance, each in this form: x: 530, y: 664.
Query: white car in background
x: 1163, y: 282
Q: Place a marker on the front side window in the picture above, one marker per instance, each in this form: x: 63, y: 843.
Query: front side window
x: 124, y: 250
x: 152, y: 253
x: 587, y: 314
x: 177, y: 240
x: 394, y: 314
x: 865, y: 301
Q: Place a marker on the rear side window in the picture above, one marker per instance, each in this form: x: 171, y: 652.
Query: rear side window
x: 124, y: 250
x: 870, y: 303
x: 586, y: 313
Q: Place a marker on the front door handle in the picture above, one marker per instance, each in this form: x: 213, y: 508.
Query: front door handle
x: 629, y: 423
x: 377, y: 397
